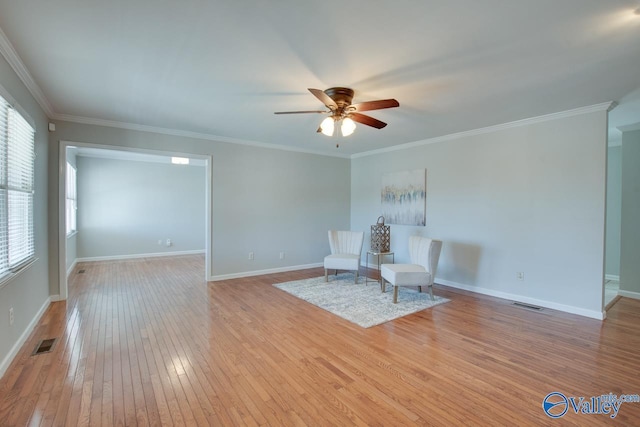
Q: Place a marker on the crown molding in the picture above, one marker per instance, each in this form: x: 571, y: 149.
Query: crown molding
x: 614, y: 139
x: 629, y: 128
x: 12, y: 57
x: 188, y: 134
x: 605, y: 106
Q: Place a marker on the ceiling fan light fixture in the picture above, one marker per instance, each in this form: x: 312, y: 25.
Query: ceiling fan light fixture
x: 348, y: 126
x: 327, y: 126
x: 341, y: 109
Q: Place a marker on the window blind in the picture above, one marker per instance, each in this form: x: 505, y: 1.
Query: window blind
x: 4, y: 214
x: 16, y: 189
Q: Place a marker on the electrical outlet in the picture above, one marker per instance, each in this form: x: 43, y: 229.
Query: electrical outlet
x: 250, y: 256
x: 281, y: 255
x: 159, y: 242
x: 168, y: 242
x: 11, y: 316
x: 520, y: 275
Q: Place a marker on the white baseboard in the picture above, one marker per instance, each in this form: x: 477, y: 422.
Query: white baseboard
x: 600, y: 315
x: 136, y: 256
x: 370, y: 266
x: 4, y: 365
x: 629, y: 294
x: 261, y: 272
x: 374, y: 265
x: 70, y: 269
x: 611, y: 277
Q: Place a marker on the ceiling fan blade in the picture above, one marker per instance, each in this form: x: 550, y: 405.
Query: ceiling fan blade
x: 324, y: 98
x: 375, y: 105
x: 300, y: 112
x: 367, y: 120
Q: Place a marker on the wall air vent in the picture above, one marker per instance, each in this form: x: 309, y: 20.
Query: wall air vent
x: 527, y: 306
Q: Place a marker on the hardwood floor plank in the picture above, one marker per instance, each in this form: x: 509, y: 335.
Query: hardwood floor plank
x: 149, y: 342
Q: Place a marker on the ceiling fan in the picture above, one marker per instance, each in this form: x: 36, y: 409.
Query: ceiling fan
x: 338, y: 101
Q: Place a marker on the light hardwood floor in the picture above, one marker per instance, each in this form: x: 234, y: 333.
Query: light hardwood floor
x: 148, y: 342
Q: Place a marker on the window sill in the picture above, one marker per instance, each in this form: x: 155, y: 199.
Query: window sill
x: 9, y: 276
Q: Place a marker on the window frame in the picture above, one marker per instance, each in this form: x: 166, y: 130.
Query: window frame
x: 71, y: 212
x: 17, y: 189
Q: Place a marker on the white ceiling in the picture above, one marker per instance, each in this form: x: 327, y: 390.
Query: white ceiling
x: 221, y: 68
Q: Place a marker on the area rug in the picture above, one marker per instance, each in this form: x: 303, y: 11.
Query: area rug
x: 361, y: 304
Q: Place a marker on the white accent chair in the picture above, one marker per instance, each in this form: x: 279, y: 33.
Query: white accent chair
x: 424, y: 253
x: 346, y: 247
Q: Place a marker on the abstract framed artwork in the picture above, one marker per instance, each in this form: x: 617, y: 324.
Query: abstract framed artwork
x: 404, y: 197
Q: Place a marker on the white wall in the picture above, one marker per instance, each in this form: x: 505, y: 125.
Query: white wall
x: 630, y: 221
x: 523, y: 199
x: 72, y: 252
x: 614, y: 206
x: 264, y: 200
x: 28, y: 292
x: 125, y: 207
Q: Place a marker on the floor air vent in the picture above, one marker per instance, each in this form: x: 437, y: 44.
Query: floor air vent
x: 527, y: 306
x: 44, y: 346
x: 81, y: 271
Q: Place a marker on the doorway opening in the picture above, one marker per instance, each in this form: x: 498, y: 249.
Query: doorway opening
x: 125, y: 155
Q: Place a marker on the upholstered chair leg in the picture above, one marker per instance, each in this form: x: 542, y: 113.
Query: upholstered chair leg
x: 356, y: 279
x: 383, y: 284
x: 431, y: 292
x: 326, y: 275
x: 420, y: 289
x: 395, y: 294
